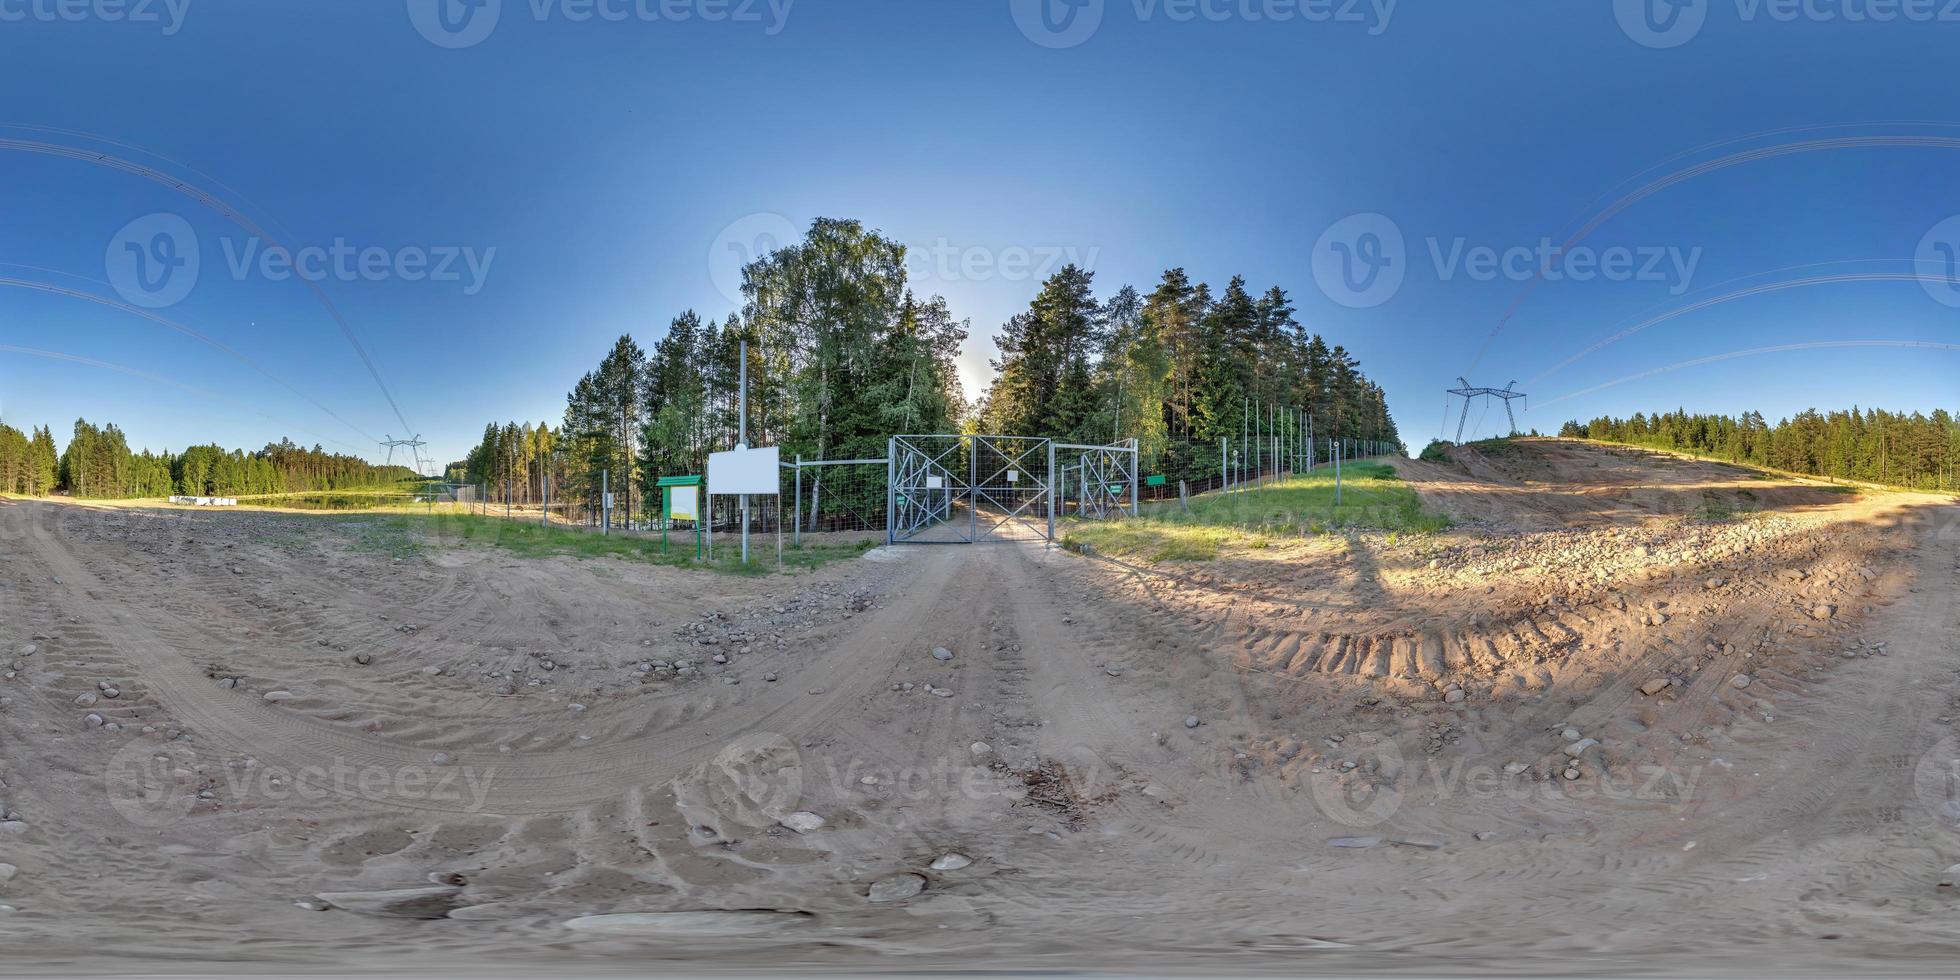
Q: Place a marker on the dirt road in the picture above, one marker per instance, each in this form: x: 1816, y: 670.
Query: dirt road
x: 1346, y: 753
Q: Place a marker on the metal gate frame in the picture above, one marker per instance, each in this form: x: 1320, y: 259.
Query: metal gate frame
x: 921, y: 487
x: 1005, y: 483
x: 1107, y: 476
x: 926, y: 488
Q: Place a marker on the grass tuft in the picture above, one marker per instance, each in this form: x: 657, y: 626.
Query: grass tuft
x: 402, y: 535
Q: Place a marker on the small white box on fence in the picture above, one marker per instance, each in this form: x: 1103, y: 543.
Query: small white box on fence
x: 935, y: 483
x: 1013, y: 476
x: 746, y: 470
x: 681, y: 503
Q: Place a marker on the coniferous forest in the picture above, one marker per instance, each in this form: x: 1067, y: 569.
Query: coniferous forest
x: 98, y: 463
x: 842, y: 355
x: 1917, y: 450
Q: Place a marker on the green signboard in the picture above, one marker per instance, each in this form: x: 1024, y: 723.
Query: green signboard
x: 1154, y: 481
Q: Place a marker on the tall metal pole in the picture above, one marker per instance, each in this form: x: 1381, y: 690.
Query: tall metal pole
x: 742, y: 440
x: 1136, y: 471
x: 605, y: 502
x: 1051, y: 492
x: 891, y: 488
x: 799, y: 498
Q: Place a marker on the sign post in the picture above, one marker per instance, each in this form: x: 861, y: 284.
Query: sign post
x: 680, y: 500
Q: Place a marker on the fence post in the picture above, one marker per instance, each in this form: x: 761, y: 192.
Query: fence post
x: 798, y: 537
x: 1183, y: 496
x: 1051, y: 491
x: 891, y: 488
x: 605, y: 502
x: 1136, y: 472
x: 1339, y: 446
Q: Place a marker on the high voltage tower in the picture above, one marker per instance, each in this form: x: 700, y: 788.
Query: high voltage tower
x: 1469, y: 394
x: 414, y: 447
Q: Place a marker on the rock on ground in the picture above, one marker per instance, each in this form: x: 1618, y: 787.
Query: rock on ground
x: 433, y: 902
x: 897, y: 888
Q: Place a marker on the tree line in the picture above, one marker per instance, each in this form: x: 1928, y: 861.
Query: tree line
x: 98, y: 463
x: 1918, y: 451
x: 28, y: 463
x: 1179, y: 370
x: 842, y: 355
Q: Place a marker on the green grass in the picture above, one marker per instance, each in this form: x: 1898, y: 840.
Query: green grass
x: 405, y: 535
x: 1372, y: 496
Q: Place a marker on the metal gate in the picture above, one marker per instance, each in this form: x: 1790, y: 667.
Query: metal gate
x: 1097, y: 482
x: 963, y: 489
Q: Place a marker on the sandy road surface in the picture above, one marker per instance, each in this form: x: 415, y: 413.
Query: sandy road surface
x: 559, y: 734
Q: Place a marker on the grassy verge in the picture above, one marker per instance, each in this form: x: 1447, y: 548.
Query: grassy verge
x: 1372, y: 496
x: 401, y: 535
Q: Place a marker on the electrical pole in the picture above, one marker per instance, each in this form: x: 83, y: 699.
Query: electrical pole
x: 742, y: 442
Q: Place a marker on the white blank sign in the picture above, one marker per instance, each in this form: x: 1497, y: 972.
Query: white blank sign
x: 681, y: 503
x: 745, y: 471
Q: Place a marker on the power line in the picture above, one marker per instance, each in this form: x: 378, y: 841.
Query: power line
x: 159, y: 379
x: 1653, y: 187
x: 230, y: 213
x: 1777, y: 349
x: 182, y: 329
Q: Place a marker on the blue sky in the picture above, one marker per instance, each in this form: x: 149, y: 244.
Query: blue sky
x: 599, y: 171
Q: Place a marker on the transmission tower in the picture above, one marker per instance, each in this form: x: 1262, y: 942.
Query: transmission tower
x: 414, y: 447
x: 1469, y: 394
